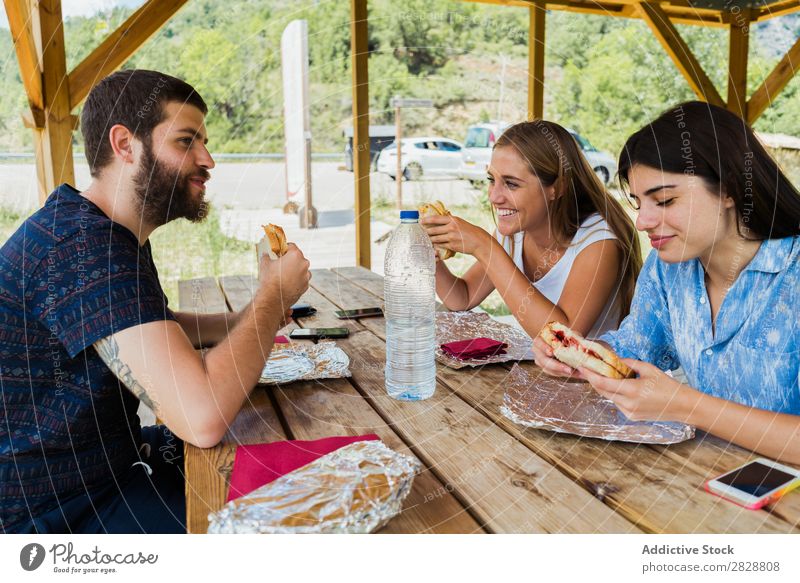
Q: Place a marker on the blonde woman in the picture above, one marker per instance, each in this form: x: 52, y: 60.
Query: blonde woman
x: 564, y: 248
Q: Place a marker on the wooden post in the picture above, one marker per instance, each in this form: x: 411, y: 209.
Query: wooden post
x: 359, y: 50
x: 54, y: 160
x: 536, y: 31
x: 398, y: 136
x: 737, y: 62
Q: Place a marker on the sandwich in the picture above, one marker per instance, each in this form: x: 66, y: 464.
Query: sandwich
x: 273, y: 243
x: 355, y: 489
x: 574, y: 350
x: 433, y: 209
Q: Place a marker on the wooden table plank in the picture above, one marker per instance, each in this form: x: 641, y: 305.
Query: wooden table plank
x: 347, y: 295
x: 314, y: 410
x: 646, y: 501
x: 643, y: 483
x: 507, y: 486
x: 712, y: 456
x: 209, y: 470
x: 363, y: 278
x: 238, y: 290
x: 201, y: 295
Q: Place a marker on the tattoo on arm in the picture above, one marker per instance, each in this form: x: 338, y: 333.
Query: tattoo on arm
x: 108, y: 349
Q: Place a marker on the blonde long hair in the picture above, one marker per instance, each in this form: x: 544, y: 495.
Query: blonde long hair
x: 553, y: 156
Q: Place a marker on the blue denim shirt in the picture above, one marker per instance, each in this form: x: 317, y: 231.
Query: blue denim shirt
x: 753, y: 356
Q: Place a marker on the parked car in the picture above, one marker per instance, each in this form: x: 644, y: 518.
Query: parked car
x: 379, y: 138
x: 603, y: 163
x: 426, y: 156
x: 477, y: 150
x: 481, y: 138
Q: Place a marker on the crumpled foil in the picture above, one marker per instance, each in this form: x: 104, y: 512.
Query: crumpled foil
x: 573, y: 406
x: 355, y: 489
x: 305, y: 362
x: 454, y: 326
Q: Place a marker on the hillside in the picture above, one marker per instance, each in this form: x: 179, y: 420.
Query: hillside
x: 605, y: 76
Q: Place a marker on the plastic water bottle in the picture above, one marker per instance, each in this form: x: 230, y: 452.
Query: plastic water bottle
x: 410, y: 296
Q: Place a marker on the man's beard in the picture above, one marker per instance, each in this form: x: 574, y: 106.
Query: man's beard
x: 163, y: 192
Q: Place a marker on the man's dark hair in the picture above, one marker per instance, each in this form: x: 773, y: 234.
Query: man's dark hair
x: 135, y: 99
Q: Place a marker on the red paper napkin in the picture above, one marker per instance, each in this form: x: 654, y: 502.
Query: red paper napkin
x: 259, y: 464
x: 474, y: 348
x: 281, y: 340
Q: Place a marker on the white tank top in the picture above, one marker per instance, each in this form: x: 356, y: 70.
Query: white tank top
x: 551, y: 285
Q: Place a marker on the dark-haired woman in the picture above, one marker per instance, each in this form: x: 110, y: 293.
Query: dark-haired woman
x: 719, y: 294
x: 564, y: 249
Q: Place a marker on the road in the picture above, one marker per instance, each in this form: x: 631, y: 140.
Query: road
x: 244, y: 186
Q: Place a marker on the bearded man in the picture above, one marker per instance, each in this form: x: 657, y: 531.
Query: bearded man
x: 86, y: 333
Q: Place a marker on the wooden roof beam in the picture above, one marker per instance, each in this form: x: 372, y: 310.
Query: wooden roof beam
x: 680, y: 12
x: 19, y: 21
x: 119, y: 46
x: 774, y: 83
x: 776, y: 9
x: 680, y: 53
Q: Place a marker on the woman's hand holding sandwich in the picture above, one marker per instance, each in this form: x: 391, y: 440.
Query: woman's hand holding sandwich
x: 457, y: 234
x: 653, y: 396
x: 544, y: 359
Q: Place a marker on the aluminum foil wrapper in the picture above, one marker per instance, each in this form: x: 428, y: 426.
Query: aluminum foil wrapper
x: 305, y: 362
x: 355, y: 489
x: 536, y: 399
x: 454, y: 326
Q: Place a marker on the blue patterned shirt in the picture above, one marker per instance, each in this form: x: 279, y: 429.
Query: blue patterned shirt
x: 68, y: 277
x: 753, y: 356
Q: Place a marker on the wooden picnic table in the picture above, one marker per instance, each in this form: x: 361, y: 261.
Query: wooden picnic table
x: 482, y: 473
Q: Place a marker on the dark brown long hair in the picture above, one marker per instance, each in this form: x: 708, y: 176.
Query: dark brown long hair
x: 553, y: 156
x: 717, y: 146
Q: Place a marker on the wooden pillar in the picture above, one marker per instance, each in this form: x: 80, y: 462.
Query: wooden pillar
x: 54, y: 160
x: 359, y: 53
x: 737, y: 62
x: 536, y: 31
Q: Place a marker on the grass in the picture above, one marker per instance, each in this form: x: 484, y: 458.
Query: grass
x: 10, y: 220
x: 184, y: 250
x: 181, y: 250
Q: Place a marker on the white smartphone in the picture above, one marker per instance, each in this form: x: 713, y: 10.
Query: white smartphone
x: 756, y: 483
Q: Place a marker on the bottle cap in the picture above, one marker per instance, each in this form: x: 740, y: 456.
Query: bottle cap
x: 409, y: 214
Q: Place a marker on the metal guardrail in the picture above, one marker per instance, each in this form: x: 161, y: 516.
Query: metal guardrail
x: 243, y: 156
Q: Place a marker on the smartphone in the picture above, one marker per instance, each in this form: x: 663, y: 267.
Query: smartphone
x: 318, y: 333
x: 303, y: 310
x: 358, y: 313
x: 755, y: 484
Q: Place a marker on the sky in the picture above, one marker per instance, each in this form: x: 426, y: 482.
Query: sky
x: 79, y: 7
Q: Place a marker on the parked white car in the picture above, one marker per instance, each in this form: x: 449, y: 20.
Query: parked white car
x: 426, y: 156
x: 477, y: 153
x: 477, y: 150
